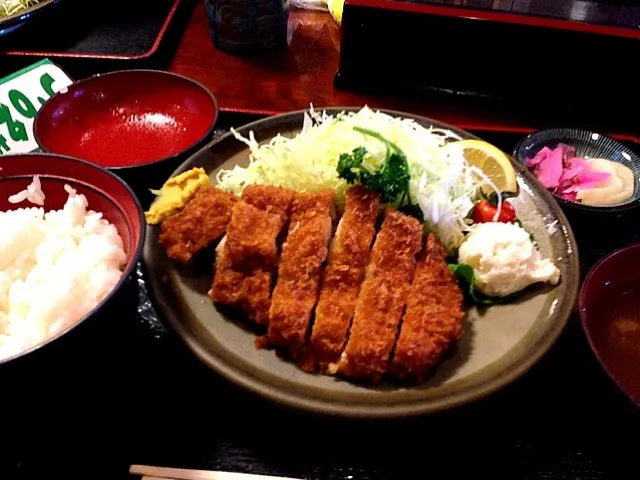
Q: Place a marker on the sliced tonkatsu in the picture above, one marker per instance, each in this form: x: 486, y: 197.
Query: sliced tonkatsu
x: 247, y: 257
x: 247, y: 290
x: 269, y: 198
x: 433, y: 318
x: 252, y: 234
x: 343, y: 275
x: 303, y: 253
x: 393, y: 308
x: 382, y: 298
x: 245, y: 261
x: 200, y: 223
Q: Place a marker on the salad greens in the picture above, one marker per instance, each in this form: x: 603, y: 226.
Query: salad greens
x: 467, y: 280
x: 442, y: 185
x: 390, y: 179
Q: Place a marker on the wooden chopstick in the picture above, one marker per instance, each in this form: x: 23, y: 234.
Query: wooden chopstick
x: 165, y: 473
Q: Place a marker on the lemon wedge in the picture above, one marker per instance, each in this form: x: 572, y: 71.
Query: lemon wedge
x: 493, y: 162
x: 335, y: 9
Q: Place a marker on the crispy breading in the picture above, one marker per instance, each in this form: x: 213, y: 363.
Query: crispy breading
x: 303, y: 254
x: 247, y: 261
x: 268, y: 198
x: 433, y: 318
x: 246, y: 289
x: 200, y: 223
x: 382, y: 298
x: 343, y: 276
x: 252, y: 234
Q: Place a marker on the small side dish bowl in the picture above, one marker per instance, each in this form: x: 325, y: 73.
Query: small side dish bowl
x: 106, y: 194
x: 128, y: 119
x: 598, y: 229
x: 609, y: 307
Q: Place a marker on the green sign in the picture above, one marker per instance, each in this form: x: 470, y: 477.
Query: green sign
x: 21, y: 96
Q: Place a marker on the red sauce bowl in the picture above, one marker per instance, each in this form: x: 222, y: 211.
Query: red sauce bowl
x: 610, y: 313
x: 127, y: 119
x: 105, y: 193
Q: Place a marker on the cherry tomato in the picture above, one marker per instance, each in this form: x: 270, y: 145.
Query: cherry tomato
x: 484, y: 212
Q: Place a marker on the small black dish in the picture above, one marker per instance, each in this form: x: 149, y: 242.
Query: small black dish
x: 598, y: 230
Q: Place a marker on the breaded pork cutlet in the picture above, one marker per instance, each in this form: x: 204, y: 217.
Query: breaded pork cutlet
x: 382, y: 298
x: 200, y: 223
x: 343, y: 276
x: 248, y: 290
x: 252, y: 234
x: 303, y: 253
x: 247, y: 258
x: 269, y: 198
x: 433, y: 319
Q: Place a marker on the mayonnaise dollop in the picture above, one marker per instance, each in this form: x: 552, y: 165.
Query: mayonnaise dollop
x: 504, y: 259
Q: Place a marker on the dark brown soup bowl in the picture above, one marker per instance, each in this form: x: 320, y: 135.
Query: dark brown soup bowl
x: 610, y: 312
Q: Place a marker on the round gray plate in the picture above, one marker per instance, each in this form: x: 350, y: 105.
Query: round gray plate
x: 498, y: 345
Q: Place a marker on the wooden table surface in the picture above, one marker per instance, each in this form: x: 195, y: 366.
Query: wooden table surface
x: 303, y: 74
x: 289, y: 80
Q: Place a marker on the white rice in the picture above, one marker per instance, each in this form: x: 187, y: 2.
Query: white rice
x: 33, y: 193
x: 55, y: 267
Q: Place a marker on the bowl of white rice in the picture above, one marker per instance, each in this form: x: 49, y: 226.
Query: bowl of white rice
x: 71, y: 235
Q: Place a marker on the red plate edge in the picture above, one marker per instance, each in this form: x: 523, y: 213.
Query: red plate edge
x: 142, y: 56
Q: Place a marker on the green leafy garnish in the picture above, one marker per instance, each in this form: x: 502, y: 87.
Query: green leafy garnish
x: 390, y: 180
x: 350, y: 165
x: 467, y: 279
x: 492, y: 197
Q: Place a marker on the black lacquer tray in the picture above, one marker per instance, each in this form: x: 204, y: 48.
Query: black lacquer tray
x: 84, y: 36
x: 141, y: 397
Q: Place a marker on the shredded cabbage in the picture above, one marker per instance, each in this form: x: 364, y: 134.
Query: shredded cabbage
x: 442, y: 183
